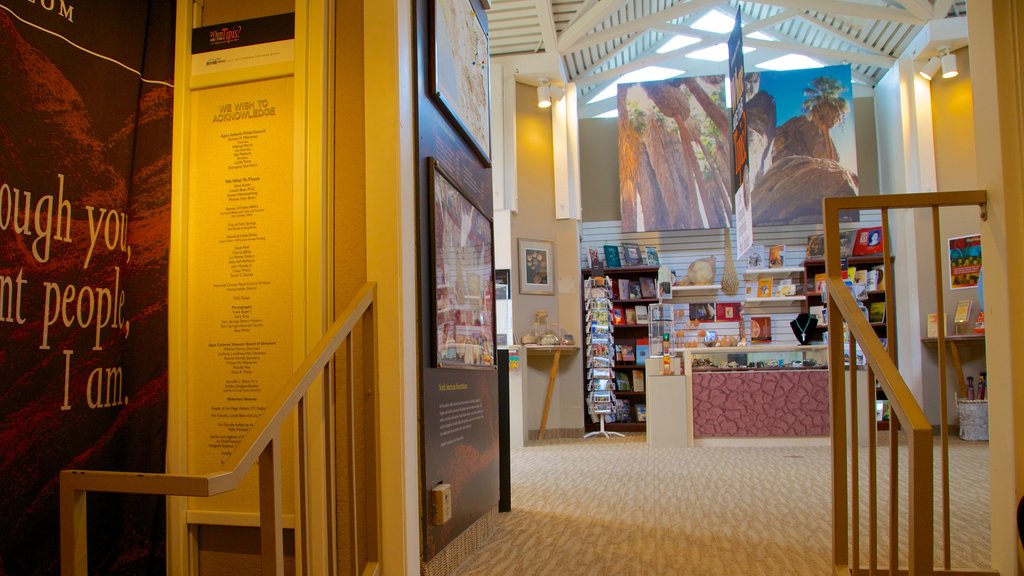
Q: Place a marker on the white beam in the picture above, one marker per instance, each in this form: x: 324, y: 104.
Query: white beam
x: 855, y: 9
x: 835, y: 55
x: 581, y: 10
x: 643, y: 62
x: 843, y: 35
x: 942, y: 8
x: 920, y: 8
x: 547, y: 31
x: 639, y: 24
x: 587, y: 21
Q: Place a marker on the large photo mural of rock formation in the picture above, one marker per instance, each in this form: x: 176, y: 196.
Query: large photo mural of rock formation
x: 674, y: 149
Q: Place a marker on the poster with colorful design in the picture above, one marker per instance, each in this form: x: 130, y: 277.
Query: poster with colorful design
x: 85, y: 187
x: 964, y: 261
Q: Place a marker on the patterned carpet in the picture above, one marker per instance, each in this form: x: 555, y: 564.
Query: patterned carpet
x: 616, y: 507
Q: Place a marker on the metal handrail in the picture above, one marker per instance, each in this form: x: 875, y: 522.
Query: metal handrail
x: 906, y: 413
x: 260, y: 444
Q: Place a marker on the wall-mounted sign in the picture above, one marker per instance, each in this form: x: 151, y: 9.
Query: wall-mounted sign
x: 243, y: 44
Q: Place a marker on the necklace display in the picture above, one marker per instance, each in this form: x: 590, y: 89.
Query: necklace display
x: 803, y: 324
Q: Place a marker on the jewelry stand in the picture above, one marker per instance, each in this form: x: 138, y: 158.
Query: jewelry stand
x: 803, y: 327
x: 603, y: 432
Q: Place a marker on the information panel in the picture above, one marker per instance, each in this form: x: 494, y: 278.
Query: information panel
x: 240, y: 262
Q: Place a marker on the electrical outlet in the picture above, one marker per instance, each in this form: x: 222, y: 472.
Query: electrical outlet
x: 441, y: 504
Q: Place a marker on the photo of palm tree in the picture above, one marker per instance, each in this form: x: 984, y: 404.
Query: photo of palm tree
x: 675, y: 150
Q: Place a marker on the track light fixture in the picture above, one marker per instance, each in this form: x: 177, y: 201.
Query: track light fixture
x: 543, y: 93
x: 930, y: 68
x: 949, y: 69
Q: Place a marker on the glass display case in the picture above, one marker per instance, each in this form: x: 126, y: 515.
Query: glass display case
x: 755, y: 358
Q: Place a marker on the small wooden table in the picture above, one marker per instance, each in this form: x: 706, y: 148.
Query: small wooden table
x: 557, y: 351
x: 954, y: 342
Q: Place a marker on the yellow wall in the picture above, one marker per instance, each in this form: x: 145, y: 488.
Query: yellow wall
x: 996, y: 57
x: 535, y: 220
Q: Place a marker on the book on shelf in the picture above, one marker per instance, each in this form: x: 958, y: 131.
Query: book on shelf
x: 611, y: 256
x: 628, y: 353
x: 962, y: 316
x: 641, y: 413
x: 876, y: 312
x: 761, y: 328
x: 618, y: 317
x: 846, y: 240
x: 635, y: 293
x: 819, y: 282
x: 631, y: 254
x: 648, y: 288
x: 933, y: 324
x: 818, y: 313
x: 641, y: 314
x: 979, y: 323
x: 623, y: 285
x: 869, y: 241
x: 815, y: 246
x: 638, y: 380
x: 702, y: 311
x: 651, y: 253
x: 764, y: 287
x: 871, y: 281
x: 756, y: 257
x: 595, y: 258
x: 861, y: 277
x: 777, y: 256
x: 622, y: 382
x: 727, y: 311
x: 630, y: 316
x: 642, y: 353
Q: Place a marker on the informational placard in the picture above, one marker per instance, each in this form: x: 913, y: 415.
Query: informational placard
x: 240, y: 261
x: 244, y: 44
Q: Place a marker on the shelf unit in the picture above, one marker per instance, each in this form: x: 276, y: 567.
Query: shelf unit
x: 626, y: 335
x: 816, y: 266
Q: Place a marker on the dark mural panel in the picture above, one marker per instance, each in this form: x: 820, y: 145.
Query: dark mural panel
x: 85, y: 164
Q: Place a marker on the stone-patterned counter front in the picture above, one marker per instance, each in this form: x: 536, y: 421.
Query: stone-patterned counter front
x: 760, y: 404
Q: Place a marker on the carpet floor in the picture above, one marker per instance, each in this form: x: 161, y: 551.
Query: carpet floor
x: 616, y: 507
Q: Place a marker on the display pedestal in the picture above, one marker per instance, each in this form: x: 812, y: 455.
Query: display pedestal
x: 602, y: 431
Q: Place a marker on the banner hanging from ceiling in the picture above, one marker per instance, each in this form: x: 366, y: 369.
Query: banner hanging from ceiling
x: 85, y: 187
x: 740, y: 159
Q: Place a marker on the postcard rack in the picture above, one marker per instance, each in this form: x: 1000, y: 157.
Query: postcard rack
x: 600, y: 354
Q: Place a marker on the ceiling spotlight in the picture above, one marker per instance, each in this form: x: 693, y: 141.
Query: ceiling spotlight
x: 543, y: 93
x: 930, y: 68
x: 949, y: 69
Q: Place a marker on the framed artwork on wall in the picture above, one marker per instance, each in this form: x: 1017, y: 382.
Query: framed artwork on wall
x: 463, y: 259
x: 536, y: 266
x: 460, y: 71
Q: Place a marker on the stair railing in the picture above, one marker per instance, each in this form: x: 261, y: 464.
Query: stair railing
x: 906, y: 414
x: 262, y: 445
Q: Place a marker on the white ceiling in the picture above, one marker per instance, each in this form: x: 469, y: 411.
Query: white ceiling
x: 593, y: 42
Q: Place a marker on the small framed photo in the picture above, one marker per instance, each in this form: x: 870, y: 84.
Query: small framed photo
x: 536, y: 266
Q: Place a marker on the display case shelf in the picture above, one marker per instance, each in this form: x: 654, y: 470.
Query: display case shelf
x: 776, y: 300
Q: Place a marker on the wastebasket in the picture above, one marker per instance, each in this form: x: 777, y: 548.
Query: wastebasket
x: 973, y: 419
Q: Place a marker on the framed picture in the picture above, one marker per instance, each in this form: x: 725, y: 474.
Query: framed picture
x: 463, y: 258
x: 964, y: 261
x: 460, y: 72
x: 536, y: 266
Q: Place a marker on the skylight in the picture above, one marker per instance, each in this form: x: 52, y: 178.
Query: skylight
x: 678, y: 41
x: 613, y: 113
x: 716, y: 53
x: 715, y: 21
x: 648, y: 74
x: 761, y: 36
x: 790, y: 62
